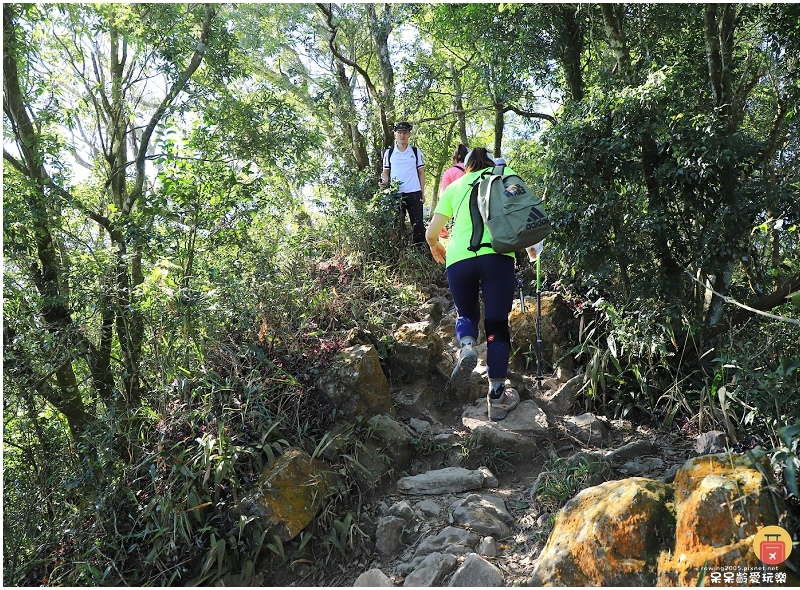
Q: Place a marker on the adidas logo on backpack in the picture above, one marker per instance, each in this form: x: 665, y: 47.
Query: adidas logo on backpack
x: 536, y: 218
x: 514, y: 216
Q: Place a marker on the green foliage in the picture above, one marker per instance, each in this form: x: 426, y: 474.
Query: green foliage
x: 343, y: 535
x: 475, y: 455
x: 755, y: 382
x: 627, y: 357
x: 560, y: 480
x: 259, y: 241
x: 787, y: 457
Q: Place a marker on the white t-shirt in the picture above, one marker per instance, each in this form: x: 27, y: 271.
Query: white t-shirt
x: 404, y: 168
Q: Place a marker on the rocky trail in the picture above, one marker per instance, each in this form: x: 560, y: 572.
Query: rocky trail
x: 459, y: 500
x: 454, y: 511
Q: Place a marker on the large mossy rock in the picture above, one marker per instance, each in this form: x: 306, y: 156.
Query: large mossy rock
x: 640, y: 532
x: 289, y: 494
x: 416, y: 349
x: 559, y: 331
x: 355, y: 383
x: 608, y: 535
x: 721, y: 503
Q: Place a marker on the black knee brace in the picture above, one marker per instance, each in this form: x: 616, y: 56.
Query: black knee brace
x: 497, y: 331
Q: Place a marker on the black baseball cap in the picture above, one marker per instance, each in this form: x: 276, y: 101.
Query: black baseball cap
x: 403, y: 126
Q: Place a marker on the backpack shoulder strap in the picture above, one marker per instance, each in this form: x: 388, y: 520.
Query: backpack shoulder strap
x: 416, y: 154
x: 476, y: 217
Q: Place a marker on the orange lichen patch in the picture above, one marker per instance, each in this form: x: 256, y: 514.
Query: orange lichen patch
x: 558, y: 326
x: 621, y: 533
x: 695, y: 470
x: 289, y: 494
x: 723, y: 499
x: 607, y: 534
x: 416, y: 348
x: 683, y: 569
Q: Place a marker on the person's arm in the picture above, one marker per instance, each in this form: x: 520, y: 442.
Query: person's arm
x: 432, y: 237
x: 384, y: 181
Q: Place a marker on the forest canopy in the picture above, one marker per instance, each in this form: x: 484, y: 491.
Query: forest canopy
x: 183, y: 182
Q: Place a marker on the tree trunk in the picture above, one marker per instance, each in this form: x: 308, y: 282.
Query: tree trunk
x: 380, y: 28
x: 349, y: 119
x: 499, y: 125
x: 385, y: 110
x: 571, y: 42
x: 720, y: 22
x: 458, y: 104
x: 612, y: 21
x: 46, y: 274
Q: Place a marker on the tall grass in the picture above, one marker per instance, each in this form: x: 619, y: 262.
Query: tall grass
x: 231, y: 376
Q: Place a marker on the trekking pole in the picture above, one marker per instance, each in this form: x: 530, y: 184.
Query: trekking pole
x: 521, y: 294
x: 538, y: 321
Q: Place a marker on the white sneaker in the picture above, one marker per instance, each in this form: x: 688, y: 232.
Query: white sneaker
x: 467, y: 361
x: 500, y: 407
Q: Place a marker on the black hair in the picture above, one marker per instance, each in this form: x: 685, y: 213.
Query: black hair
x: 460, y: 153
x: 478, y: 160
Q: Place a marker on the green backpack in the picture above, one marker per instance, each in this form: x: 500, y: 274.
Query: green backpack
x: 513, y: 214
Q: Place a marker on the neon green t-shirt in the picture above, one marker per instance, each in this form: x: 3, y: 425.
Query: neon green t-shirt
x: 455, y: 201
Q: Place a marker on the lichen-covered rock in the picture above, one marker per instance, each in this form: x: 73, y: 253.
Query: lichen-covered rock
x: 721, y: 502
x: 356, y: 385
x: 416, y: 349
x: 559, y: 329
x: 608, y: 535
x: 289, y: 494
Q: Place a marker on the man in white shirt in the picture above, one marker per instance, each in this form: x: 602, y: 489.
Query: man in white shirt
x: 405, y: 164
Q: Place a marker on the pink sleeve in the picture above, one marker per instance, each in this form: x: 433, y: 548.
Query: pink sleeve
x: 450, y: 175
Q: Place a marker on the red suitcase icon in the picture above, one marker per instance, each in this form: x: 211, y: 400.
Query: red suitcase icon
x: 772, y: 552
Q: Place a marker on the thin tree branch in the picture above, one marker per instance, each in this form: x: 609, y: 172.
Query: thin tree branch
x: 450, y: 114
x: 529, y: 114
x: 774, y: 299
x: 174, y: 91
x: 15, y: 163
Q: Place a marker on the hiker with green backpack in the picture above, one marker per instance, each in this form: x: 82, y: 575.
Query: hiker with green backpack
x: 480, y: 259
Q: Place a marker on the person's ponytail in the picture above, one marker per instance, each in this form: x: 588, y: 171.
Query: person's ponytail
x: 478, y: 159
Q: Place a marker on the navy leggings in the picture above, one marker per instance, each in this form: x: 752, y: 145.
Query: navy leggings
x: 493, y: 274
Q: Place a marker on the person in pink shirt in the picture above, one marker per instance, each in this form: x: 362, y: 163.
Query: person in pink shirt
x: 455, y: 172
x: 457, y: 169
